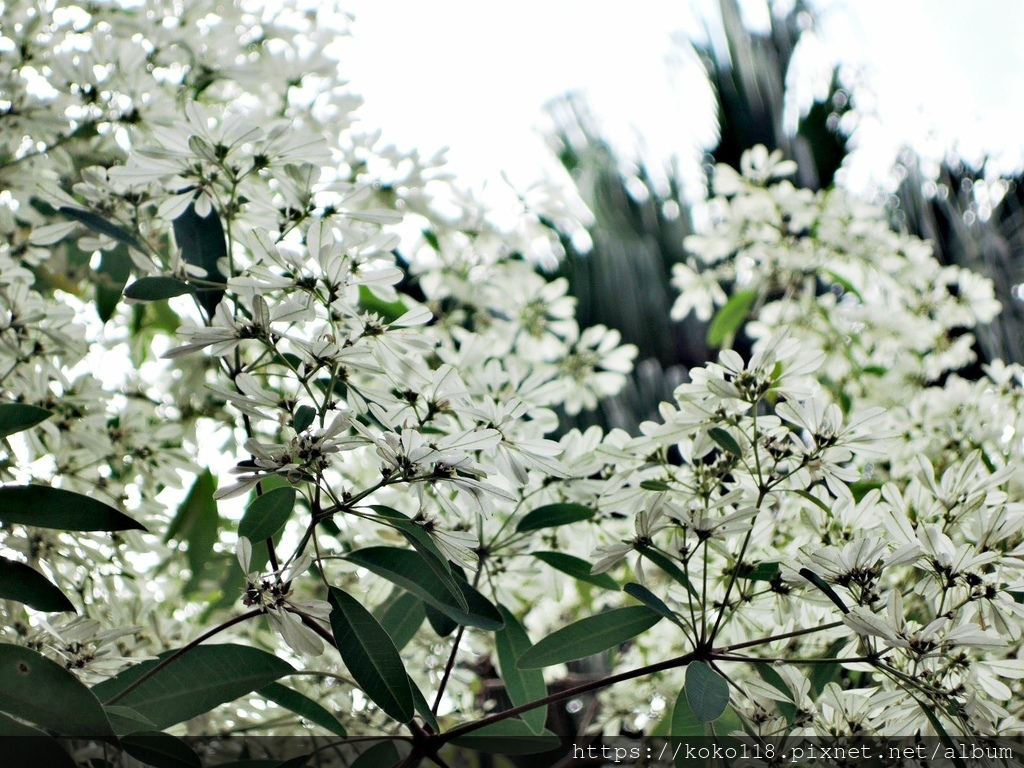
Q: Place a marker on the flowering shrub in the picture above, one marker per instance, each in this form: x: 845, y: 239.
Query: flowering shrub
x: 204, y: 258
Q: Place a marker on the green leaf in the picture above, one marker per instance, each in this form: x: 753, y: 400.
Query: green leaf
x: 389, y: 311
x: 114, y: 270
x: 438, y: 621
x: 552, y: 515
x: 588, y: 636
x: 160, y: 750
x: 943, y: 734
x: 43, y: 692
x: 371, y: 656
x: 651, y: 600
x: 668, y: 567
x: 845, y: 284
x: 25, y: 584
x: 26, y: 747
x: 707, y: 692
x: 267, y: 514
x: 303, y: 706
x: 405, y: 568
x: 383, y: 755
x: 423, y: 706
x: 45, y: 507
x: 127, y: 720
x: 759, y: 572
x: 202, y: 244
x: 655, y: 485
x: 202, y: 678
x: 401, y: 615
x: 304, y: 416
x: 522, y: 685
x: 17, y: 417
x: 824, y: 586
x: 576, y: 567
x: 157, y: 288
x: 425, y: 547
x: 684, y: 721
x: 196, y: 522
x: 815, y: 501
x: 508, y: 737
x: 97, y: 223
x: 726, y: 441
x: 731, y: 317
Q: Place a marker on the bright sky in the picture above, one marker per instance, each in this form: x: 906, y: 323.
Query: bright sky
x: 474, y: 76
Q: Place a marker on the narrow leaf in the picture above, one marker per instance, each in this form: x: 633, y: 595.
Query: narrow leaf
x: 370, y: 656
x: 730, y: 317
x: 707, y: 692
x: 651, y: 600
x: 668, y: 567
x: 759, y: 572
x: 438, y: 621
x: 303, y: 706
x: 43, y: 692
x: 552, y: 515
x: 160, y: 750
x: 27, y: 747
x: 156, y: 288
x: 267, y: 514
x: 576, y: 567
x: 508, y: 737
x: 522, y: 685
x: 726, y: 441
x: 25, y: 584
x: 943, y: 734
x: 815, y: 501
x: 113, y: 272
x: 17, y: 417
x: 203, y: 678
x: 97, y: 223
x: 45, y: 507
x: 655, y: 485
x: 824, y: 586
x: 423, y: 706
x: 588, y: 636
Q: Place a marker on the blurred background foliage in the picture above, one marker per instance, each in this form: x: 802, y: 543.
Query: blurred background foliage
x: 973, y: 216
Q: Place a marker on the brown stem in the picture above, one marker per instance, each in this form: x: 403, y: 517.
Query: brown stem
x: 783, y: 636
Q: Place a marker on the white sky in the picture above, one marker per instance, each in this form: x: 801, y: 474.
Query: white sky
x: 475, y: 75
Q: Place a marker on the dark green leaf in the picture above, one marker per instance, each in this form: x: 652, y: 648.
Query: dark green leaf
x: 401, y: 616
x: 588, y: 636
x: 668, y: 567
x: 267, y: 514
x: 943, y: 734
x: 98, y: 224
x: 304, y: 416
x: 196, y: 522
x: 43, y: 692
x: 508, y: 737
x: 303, y: 706
x: 684, y: 721
x: 552, y: 515
x: 759, y: 572
x: 862, y: 488
x: 726, y: 441
x: 405, y: 568
x: 202, y: 678
x: 576, y: 567
x: 823, y: 585
x: 114, y: 270
x: 522, y: 685
x: 127, y: 720
x: 707, y: 692
x: 17, y: 417
x: 423, y: 706
x: 156, y: 288
x: 23, y: 746
x: 202, y: 244
x: 655, y: 485
x: 371, y: 656
x: 383, y: 755
x: 425, y: 546
x: 160, y: 750
x: 731, y: 317
x: 45, y: 507
x: 651, y: 600
x: 438, y: 621
x: 25, y: 584
x: 295, y: 762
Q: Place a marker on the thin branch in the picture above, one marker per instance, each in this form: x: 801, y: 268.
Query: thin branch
x: 783, y: 636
